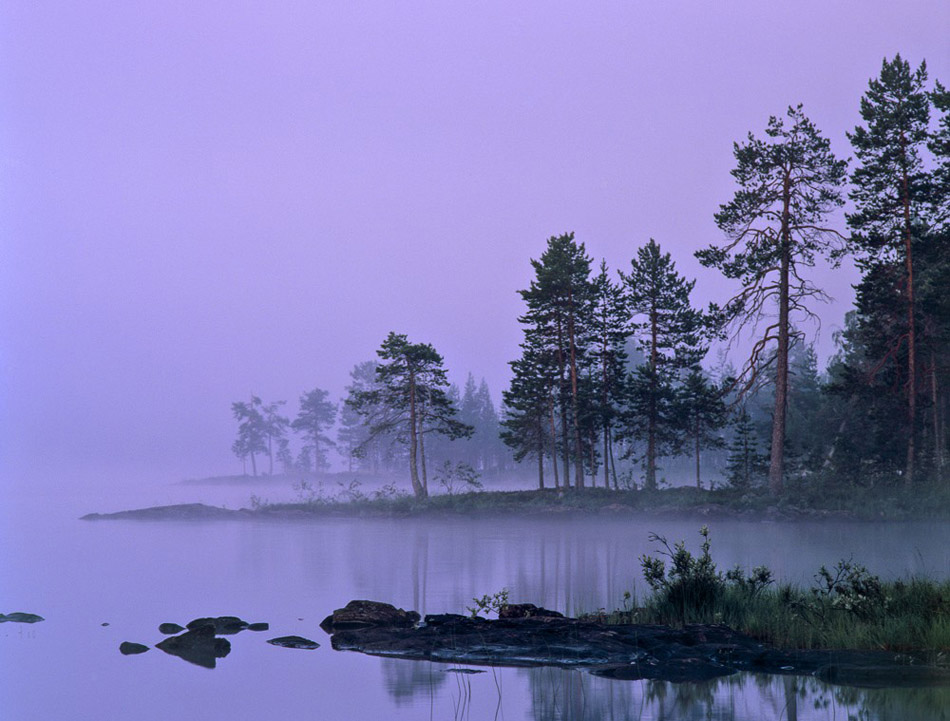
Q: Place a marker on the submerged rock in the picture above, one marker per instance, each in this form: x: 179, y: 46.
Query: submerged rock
x: 199, y: 646
x: 222, y: 625
x: 127, y: 648
x: 294, y: 642
x: 20, y: 617
x: 170, y: 628
x: 368, y: 614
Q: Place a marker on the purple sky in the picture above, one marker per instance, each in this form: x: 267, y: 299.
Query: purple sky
x: 202, y: 199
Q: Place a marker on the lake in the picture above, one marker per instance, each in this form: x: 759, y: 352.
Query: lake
x: 135, y: 575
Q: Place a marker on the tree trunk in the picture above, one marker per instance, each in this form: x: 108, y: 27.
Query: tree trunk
x: 540, y: 453
x: 650, y: 481
x: 911, y: 331
x: 578, y: 448
x: 935, y: 401
x: 253, y: 464
x: 557, y: 483
x: 417, y: 487
x: 613, y: 466
x: 561, y: 405
x: 777, y: 452
x: 699, y: 483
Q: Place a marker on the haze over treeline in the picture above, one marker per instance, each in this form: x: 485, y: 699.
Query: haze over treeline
x: 187, y: 223
x: 617, y: 359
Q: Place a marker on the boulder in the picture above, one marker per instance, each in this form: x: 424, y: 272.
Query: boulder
x: 20, y: 617
x: 127, y: 648
x: 258, y: 626
x: 526, y: 610
x: 368, y: 614
x: 222, y: 625
x: 170, y: 628
x: 294, y: 642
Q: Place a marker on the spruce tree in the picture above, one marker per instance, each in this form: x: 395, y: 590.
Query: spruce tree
x: 788, y: 183
x: 891, y: 192
x: 703, y: 413
x: 744, y: 464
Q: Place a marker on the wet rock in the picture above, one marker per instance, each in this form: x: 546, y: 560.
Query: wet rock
x: 19, y: 617
x: 526, y: 610
x: 199, y: 646
x: 127, y: 648
x: 222, y: 625
x: 258, y: 626
x: 170, y: 628
x: 463, y: 670
x: 368, y: 614
x: 294, y: 642
x: 689, y: 654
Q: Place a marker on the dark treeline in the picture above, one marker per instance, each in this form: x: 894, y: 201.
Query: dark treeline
x: 613, y: 386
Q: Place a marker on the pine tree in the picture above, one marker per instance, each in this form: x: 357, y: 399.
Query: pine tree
x: 891, y: 192
x: 788, y: 184
x: 669, y: 332
x: 608, y: 356
x: 409, y: 399
x: 558, y: 321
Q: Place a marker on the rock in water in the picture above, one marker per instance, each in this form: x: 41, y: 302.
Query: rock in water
x: 368, y: 614
x: 169, y: 628
x: 258, y: 626
x: 294, y: 642
x: 526, y: 610
x: 127, y: 648
x: 199, y: 646
x: 222, y: 625
x: 18, y: 617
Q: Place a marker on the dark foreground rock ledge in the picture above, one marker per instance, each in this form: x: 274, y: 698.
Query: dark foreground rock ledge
x: 693, y: 653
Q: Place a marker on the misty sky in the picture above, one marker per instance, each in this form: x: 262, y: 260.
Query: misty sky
x: 201, y: 200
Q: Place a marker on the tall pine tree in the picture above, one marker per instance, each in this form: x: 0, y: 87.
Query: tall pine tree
x: 890, y: 190
x: 788, y: 184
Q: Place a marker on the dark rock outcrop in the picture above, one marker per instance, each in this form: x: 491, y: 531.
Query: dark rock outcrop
x: 127, y: 648
x: 526, y: 610
x: 170, y: 628
x: 294, y: 642
x: 689, y: 654
x: 258, y: 626
x: 20, y: 617
x: 199, y: 646
x: 368, y: 614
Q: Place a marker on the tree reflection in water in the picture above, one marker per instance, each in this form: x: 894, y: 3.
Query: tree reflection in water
x: 564, y: 695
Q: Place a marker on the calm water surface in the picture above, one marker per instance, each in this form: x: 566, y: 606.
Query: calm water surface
x: 135, y: 575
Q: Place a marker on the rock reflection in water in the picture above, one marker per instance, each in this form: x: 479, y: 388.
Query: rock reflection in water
x: 200, y: 646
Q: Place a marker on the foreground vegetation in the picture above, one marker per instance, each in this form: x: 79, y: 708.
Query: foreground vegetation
x: 846, y: 607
